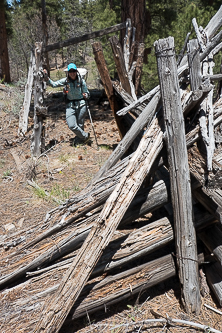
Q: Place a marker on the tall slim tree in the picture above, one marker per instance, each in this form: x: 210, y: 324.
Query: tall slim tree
x: 4, y: 59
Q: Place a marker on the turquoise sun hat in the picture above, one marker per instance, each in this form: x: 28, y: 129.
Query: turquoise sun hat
x: 72, y: 66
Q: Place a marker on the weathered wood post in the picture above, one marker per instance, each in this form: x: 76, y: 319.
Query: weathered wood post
x: 120, y: 63
x: 179, y: 174
x: 24, y: 112
x: 107, y: 83
x: 38, y: 139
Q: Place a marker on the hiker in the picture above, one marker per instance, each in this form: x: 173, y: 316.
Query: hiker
x: 76, y: 94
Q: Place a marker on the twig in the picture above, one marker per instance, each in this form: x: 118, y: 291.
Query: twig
x: 169, y: 321
x: 215, y: 310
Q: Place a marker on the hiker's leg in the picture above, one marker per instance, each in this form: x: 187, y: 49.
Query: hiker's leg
x: 72, y: 121
x: 81, y: 116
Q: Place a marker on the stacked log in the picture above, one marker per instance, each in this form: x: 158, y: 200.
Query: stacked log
x: 77, y: 261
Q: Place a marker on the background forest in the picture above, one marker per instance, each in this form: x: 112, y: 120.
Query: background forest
x: 65, y: 19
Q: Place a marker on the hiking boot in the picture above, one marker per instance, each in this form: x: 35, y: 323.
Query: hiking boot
x: 87, y: 140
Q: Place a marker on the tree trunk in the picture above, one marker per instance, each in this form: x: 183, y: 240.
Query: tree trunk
x: 140, y: 18
x: 4, y: 59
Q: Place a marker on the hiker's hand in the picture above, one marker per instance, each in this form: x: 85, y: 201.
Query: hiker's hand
x: 85, y: 95
x: 45, y: 75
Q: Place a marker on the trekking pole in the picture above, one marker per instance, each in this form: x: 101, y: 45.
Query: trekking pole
x: 90, y: 117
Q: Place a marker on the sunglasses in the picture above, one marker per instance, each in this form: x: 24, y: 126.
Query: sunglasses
x: 72, y: 71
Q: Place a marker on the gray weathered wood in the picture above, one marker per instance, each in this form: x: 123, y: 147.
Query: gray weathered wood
x: 37, y: 139
x: 126, y: 46
x: 214, y: 24
x: 214, y: 279
x: 146, y: 201
x: 179, y: 174
x: 206, y: 117
x: 73, y: 282
x: 200, y: 37
x: 139, y: 124
x: 212, y: 239
x: 22, y: 306
x: 120, y: 64
x: 211, y: 199
x: 139, y: 101
x: 194, y: 64
x: 24, y: 112
x: 83, y: 38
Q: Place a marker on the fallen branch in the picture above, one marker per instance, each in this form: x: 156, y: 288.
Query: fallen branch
x: 215, y: 310
x: 169, y: 321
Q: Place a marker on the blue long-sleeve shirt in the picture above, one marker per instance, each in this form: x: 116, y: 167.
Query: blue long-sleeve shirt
x: 75, y: 88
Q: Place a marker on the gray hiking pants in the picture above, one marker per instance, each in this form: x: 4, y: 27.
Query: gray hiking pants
x: 75, y: 116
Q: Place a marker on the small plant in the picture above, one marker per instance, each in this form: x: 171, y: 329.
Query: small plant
x: 76, y: 187
x: 60, y: 193
x: 7, y: 173
x: 100, y: 160
x: 40, y: 192
x: 2, y: 163
x: 64, y: 158
x: 106, y: 147
x: 88, y: 176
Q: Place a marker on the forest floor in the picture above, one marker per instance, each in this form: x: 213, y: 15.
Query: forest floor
x: 61, y: 173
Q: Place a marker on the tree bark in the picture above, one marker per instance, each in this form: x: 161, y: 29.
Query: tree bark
x: 4, y: 59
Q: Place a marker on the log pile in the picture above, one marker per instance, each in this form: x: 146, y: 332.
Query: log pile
x: 169, y: 160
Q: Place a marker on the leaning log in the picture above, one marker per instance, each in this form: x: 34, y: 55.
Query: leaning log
x: 107, y: 84
x: 139, y: 124
x: 79, y: 39
x: 120, y: 64
x: 214, y: 279
x: 100, y: 235
x: 179, y: 174
x: 212, y: 239
x: 18, y: 264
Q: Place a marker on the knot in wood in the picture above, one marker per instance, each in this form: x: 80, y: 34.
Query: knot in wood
x: 165, y: 52
x: 167, y: 71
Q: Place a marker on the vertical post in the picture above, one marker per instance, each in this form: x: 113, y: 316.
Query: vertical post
x: 194, y: 64
x: 24, y: 112
x: 179, y: 175
x: 37, y: 139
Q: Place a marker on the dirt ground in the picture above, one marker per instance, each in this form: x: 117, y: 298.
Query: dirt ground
x: 62, y: 171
